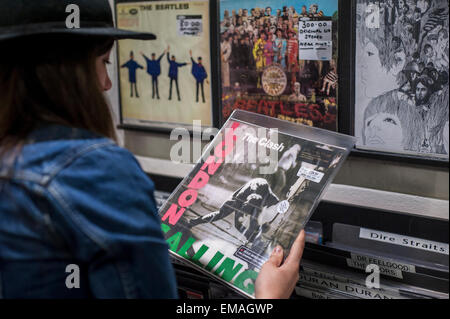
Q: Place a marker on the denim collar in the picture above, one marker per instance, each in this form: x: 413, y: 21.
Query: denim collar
x: 53, y: 132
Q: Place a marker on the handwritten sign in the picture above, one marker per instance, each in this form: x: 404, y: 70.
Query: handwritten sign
x: 315, y: 40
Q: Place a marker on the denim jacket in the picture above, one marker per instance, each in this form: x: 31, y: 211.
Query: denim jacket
x: 73, y: 198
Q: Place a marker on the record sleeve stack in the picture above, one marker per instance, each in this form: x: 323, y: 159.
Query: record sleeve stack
x: 346, y: 266
x: 410, y: 268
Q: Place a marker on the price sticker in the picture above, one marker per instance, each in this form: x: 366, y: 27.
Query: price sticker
x: 190, y: 25
x: 310, y: 174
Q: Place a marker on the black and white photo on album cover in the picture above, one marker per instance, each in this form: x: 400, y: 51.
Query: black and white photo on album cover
x: 401, y: 76
x: 242, y: 206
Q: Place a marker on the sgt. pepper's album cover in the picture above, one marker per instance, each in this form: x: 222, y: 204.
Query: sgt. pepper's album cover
x: 255, y: 187
x: 279, y: 58
x: 165, y: 82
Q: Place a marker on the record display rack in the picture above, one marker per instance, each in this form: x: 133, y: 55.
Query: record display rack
x: 333, y: 270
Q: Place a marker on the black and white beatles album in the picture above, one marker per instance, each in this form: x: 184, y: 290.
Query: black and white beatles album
x: 401, y: 77
x: 255, y: 187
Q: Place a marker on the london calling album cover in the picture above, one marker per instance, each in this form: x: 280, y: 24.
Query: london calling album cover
x: 255, y: 187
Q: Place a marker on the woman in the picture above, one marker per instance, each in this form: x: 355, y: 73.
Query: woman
x: 70, y: 198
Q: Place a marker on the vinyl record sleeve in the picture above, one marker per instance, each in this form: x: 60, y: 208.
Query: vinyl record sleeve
x: 255, y: 187
x: 401, y: 77
x: 360, y: 292
x: 165, y: 83
x: 279, y: 58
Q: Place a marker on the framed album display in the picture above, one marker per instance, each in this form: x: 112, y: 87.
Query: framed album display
x: 399, y: 105
x: 166, y: 83
x: 280, y: 59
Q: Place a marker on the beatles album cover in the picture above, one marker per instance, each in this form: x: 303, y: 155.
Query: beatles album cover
x: 401, y: 70
x: 165, y: 82
x: 279, y: 58
x: 255, y: 187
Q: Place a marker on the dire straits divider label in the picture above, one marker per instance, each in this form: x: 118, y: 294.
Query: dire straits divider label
x: 355, y: 287
x: 405, y: 241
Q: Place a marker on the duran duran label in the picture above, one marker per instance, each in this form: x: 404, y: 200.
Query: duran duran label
x: 404, y: 241
x: 353, y: 290
x: 311, y: 294
x: 347, y: 285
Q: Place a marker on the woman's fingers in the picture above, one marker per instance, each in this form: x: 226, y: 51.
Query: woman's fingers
x: 277, y: 256
x: 296, y: 252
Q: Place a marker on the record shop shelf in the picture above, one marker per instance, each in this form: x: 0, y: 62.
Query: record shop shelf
x: 337, y: 193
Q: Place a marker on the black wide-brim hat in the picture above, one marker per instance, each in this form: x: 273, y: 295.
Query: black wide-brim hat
x: 24, y: 18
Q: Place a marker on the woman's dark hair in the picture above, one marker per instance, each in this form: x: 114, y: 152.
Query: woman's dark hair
x: 53, y: 80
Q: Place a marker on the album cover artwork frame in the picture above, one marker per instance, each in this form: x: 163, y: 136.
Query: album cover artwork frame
x: 167, y: 83
x: 397, y: 102
x: 297, y: 78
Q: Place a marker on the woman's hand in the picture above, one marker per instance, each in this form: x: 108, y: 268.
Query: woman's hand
x: 276, y: 279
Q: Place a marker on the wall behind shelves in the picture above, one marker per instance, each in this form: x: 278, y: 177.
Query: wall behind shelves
x: 424, y: 181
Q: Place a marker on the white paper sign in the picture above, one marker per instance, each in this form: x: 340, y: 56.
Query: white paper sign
x: 315, y: 40
x: 189, y: 25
